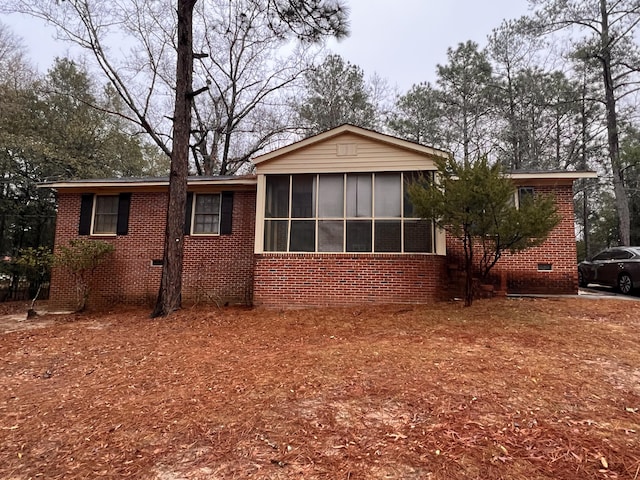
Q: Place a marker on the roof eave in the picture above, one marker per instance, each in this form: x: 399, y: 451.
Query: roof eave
x: 565, y: 175
x: 548, y: 178
x: 102, y: 184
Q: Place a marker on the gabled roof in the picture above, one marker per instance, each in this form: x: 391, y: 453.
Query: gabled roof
x: 348, y: 128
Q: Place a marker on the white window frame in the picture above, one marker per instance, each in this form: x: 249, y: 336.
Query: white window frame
x: 194, y: 203
x: 520, y: 190
x: 95, y: 214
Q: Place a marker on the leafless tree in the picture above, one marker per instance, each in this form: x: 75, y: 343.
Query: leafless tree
x: 145, y: 26
x: 14, y: 68
x: 251, y: 71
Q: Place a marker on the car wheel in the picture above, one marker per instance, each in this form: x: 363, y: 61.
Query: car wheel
x: 581, y: 280
x: 625, y: 285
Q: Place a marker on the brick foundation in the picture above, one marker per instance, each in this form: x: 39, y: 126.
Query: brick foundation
x: 286, y: 280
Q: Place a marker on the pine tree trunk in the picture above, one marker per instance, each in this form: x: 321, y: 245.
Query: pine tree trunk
x: 169, y: 297
x: 516, y: 162
x: 622, y: 202
x: 468, y: 268
x: 583, y: 166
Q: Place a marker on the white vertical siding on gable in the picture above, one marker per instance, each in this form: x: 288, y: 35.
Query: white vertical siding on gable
x: 347, y: 153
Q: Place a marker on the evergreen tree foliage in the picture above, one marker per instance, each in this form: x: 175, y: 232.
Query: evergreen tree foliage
x: 336, y: 93
x: 475, y: 202
x: 50, y: 129
x: 606, y: 33
x: 418, y: 116
x: 465, y: 83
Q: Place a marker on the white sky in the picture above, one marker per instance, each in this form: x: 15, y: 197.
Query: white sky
x: 400, y: 40
x: 404, y: 40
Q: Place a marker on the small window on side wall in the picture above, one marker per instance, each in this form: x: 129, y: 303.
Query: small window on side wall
x: 104, y: 214
x: 525, y: 193
x: 209, y: 214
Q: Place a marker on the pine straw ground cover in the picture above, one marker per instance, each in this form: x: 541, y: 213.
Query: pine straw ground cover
x: 509, y: 389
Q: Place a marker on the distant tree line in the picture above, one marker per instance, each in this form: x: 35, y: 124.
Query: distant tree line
x: 52, y: 128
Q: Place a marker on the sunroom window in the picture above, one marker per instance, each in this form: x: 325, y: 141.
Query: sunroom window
x: 353, y: 212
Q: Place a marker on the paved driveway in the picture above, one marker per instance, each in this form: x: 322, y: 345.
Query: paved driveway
x: 599, y: 291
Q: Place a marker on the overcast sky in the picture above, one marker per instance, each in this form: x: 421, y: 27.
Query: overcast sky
x: 404, y: 40
x: 400, y: 40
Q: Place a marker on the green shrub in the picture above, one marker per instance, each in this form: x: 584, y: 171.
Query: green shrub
x: 81, y: 258
x: 35, y: 265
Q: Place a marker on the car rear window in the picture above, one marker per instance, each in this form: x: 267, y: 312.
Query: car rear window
x: 621, y: 255
x: 603, y: 256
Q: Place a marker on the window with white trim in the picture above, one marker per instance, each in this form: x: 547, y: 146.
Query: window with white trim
x: 523, y: 193
x: 353, y: 212
x: 206, y: 214
x: 105, y: 215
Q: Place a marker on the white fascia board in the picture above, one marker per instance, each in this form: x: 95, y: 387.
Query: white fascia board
x: 567, y: 175
x: 84, y: 185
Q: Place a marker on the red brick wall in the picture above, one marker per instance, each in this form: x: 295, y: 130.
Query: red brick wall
x: 216, y: 268
x: 222, y: 268
x: 559, y: 250
x: 285, y: 280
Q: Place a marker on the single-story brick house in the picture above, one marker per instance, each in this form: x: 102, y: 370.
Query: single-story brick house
x: 324, y: 221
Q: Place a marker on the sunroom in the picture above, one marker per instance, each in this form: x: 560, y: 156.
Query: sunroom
x: 341, y: 198
x: 344, y: 212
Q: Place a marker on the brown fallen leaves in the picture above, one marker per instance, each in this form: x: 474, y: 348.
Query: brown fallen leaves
x: 509, y: 389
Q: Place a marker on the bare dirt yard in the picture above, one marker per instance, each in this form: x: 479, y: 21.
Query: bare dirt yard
x: 506, y: 389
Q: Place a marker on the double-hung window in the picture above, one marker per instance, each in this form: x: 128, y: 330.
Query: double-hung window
x: 105, y: 215
x: 524, y: 194
x: 206, y: 214
x: 353, y: 212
